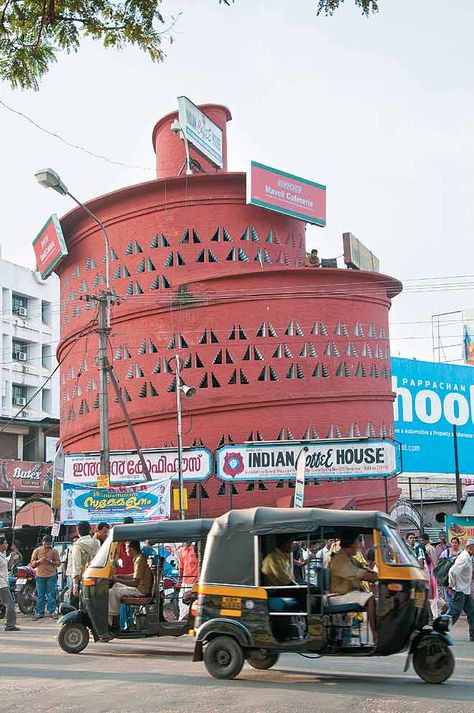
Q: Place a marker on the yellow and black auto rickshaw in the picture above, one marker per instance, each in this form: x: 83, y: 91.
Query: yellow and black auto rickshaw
x: 240, y: 617
x: 147, y: 615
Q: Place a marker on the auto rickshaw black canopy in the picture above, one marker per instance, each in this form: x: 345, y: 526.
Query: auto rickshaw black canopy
x: 231, y: 556
x: 163, y: 530
x: 260, y: 521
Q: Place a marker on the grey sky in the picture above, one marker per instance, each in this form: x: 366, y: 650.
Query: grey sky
x: 380, y: 110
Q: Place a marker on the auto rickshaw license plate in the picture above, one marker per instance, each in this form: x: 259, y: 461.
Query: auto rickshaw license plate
x: 231, y: 602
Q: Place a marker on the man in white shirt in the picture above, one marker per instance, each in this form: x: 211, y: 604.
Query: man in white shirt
x: 5, y: 594
x: 460, y: 576
x: 322, y: 557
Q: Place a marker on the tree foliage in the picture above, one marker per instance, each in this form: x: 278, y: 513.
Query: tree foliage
x: 327, y: 7
x: 32, y: 32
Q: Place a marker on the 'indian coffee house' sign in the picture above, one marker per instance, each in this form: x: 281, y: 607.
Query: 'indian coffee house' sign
x: 324, y: 460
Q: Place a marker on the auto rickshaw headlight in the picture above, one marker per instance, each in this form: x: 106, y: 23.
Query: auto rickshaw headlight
x: 442, y: 623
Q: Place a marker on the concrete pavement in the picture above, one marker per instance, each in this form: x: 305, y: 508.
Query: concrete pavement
x: 158, y: 675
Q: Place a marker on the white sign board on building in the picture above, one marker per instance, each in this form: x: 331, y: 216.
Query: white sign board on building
x: 200, y: 131
x: 325, y: 460
x: 125, y: 466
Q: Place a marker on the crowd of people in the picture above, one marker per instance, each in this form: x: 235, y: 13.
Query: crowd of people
x: 449, y: 568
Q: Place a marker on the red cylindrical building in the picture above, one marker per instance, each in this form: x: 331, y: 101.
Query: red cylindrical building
x: 277, y: 350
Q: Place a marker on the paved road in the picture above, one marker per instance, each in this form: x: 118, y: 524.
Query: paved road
x: 157, y: 675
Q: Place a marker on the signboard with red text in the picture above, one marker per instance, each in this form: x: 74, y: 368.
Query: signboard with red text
x: 285, y: 193
x: 49, y: 246
x: 25, y: 476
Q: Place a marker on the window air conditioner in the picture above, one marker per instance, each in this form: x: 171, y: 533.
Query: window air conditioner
x: 22, y: 311
x: 20, y: 401
x: 22, y: 356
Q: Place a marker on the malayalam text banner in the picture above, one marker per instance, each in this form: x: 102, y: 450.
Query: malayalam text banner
x: 125, y: 467
x: 150, y: 501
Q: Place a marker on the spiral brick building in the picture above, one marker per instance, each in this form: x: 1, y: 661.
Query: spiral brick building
x: 277, y: 350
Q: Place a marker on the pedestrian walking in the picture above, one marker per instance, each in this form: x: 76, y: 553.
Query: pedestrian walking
x: 188, y: 568
x: 5, y: 594
x: 460, y: 576
x: 451, y: 552
x: 83, y: 550
x: 15, y: 558
x: 416, y: 548
x: 442, y: 544
x: 45, y: 560
x: 101, y: 532
x: 429, y: 565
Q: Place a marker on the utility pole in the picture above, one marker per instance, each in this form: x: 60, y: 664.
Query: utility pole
x: 456, y: 471
x: 102, y: 304
x: 180, y: 439
x: 104, y: 300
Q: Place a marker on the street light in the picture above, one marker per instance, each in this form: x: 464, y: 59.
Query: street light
x: 48, y: 178
x: 189, y: 392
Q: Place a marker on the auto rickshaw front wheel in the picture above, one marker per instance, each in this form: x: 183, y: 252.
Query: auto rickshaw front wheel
x: 259, y: 658
x: 433, y: 660
x: 223, y: 657
x: 73, y: 638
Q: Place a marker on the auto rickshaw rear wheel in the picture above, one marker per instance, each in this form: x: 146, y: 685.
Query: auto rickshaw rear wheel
x: 73, y: 637
x: 433, y: 660
x: 223, y: 657
x: 260, y: 658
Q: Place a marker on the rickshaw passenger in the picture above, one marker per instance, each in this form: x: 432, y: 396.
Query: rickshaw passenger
x: 348, y: 577
x: 137, y: 584
x: 276, y: 566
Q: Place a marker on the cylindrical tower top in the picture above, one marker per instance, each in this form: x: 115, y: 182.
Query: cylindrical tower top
x: 169, y: 148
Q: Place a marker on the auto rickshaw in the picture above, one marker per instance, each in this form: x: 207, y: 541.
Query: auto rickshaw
x: 147, y: 614
x: 239, y: 617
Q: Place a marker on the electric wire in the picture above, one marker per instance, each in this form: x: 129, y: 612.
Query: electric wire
x: 71, y: 145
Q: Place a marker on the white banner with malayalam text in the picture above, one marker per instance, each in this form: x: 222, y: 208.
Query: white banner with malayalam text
x: 126, y: 467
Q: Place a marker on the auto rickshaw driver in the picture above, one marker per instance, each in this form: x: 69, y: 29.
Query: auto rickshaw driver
x: 347, y: 575
x: 276, y: 566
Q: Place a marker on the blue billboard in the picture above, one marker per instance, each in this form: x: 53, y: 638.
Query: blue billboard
x: 431, y: 398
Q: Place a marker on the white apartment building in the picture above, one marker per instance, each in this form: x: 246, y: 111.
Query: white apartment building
x: 29, y: 308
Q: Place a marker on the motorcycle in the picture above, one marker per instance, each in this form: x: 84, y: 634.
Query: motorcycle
x: 25, y: 594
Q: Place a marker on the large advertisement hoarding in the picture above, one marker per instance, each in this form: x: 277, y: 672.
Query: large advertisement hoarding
x: 431, y: 398
x: 285, y: 193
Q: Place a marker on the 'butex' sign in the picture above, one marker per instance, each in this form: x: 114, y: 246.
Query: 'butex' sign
x: 285, y: 193
x: 277, y: 461
x: 49, y: 246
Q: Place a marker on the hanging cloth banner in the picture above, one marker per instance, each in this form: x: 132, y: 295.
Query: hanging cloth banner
x: 150, y: 501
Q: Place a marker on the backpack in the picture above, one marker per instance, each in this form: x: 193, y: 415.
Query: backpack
x: 441, y: 571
